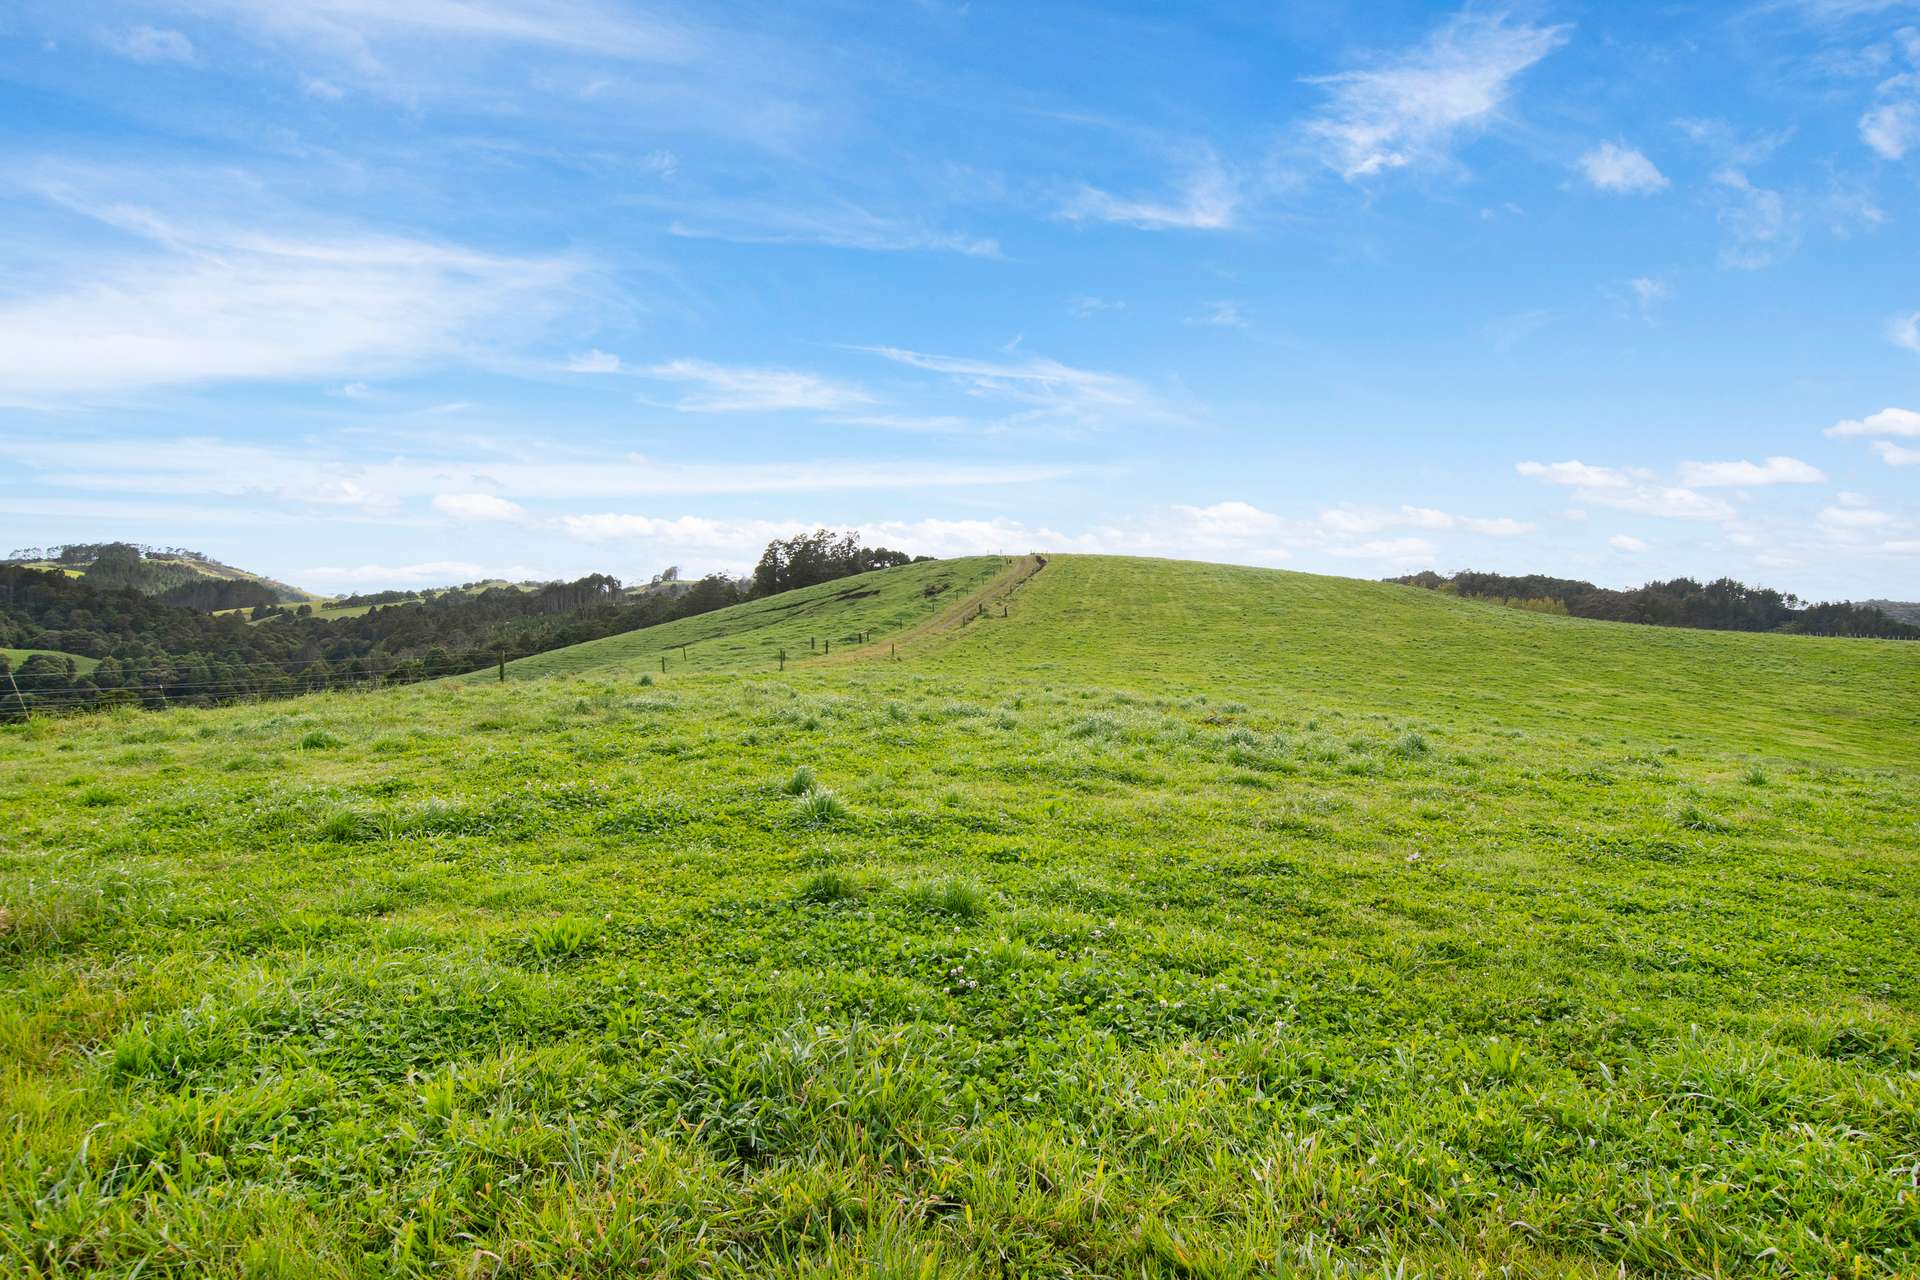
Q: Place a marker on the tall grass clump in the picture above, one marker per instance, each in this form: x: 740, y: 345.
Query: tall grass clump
x: 801, y: 782
x: 820, y: 807
x: 954, y: 897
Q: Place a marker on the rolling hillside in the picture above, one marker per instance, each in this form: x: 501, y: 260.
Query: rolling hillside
x: 886, y: 603
x: 1180, y: 921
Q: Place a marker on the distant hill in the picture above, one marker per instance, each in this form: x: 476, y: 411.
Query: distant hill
x: 1907, y: 611
x: 174, y: 575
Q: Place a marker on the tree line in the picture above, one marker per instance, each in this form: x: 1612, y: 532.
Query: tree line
x: 1721, y: 605
x: 153, y: 653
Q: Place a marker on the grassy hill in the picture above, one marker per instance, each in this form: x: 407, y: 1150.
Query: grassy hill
x: 80, y: 661
x: 1184, y: 921
x: 886, y: 603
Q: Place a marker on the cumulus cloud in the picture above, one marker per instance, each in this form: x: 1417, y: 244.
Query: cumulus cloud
x: 1776, y: 470
x: 1626, y: 542
x: 1618, y: 168
x: 1887, y: 422
x: 1231, y: 520
x: 1407, y: 110
x: 478, y: 506
x: 1896, y: 455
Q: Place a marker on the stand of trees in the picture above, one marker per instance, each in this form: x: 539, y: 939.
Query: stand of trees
x: 1720, y: 605
x: 809, y: 559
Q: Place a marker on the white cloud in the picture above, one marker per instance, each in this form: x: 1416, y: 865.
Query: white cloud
x: 1904, y: 331
x: 1399, y: 551
x: 1649, y: 292
x: 839, y: 225
x: 1049, y: 390
x: 1407, y: 110
x: 1895, y: 455
x: 1626, y: 542
x: 1361, y: 520
x: 1618, y: 168
x: 1223, y: 315
x: 594, y: 361
x: 205, y: 303
x: 151, y: 44
x: 1575, y: 473
x: 348, y: 27
x: 1207, y: 201
x: 1623, y: 491
x: 1902, y: 547
x: 1231, y: 520
x: 1082, y: 308
x: 1892, y: 128
x: 1887, y: 422
x: 937, y: 423
x: 1854, y: 517
x: 1776, y: 470
x: 1846, y: 499
x: 478, y: 506
x: 1762, y: 227
x: 739, y: 389
x: 430, y: 571
x: 695, y: 532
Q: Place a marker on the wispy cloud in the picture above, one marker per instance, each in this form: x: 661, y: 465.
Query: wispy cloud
x: 1219, y: 315
x: 1622, y: 170
x: 478, y: 506
x: 1763, y: 228
x: 1045, y: 391
x: 1904, y: 331
x: 594, y: 361
x: 1626, y: 542
x: 1633, y: 491
x: 1775, y: 470
x: 1207, y: 199
x: 1407, y: 110
x: 150, y: 44
x: 741, y: 389
x: 1352, y: 519
x: 201, y: 302
x: 841, y: 226
x: 1083, y: 308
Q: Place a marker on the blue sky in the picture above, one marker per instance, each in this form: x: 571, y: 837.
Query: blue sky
x: 367, y: 293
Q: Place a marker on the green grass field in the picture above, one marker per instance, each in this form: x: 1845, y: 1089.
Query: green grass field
x: 80, y: 661
x: 1185, y: 921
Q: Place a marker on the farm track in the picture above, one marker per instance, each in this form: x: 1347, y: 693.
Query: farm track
x: 951, y: 618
